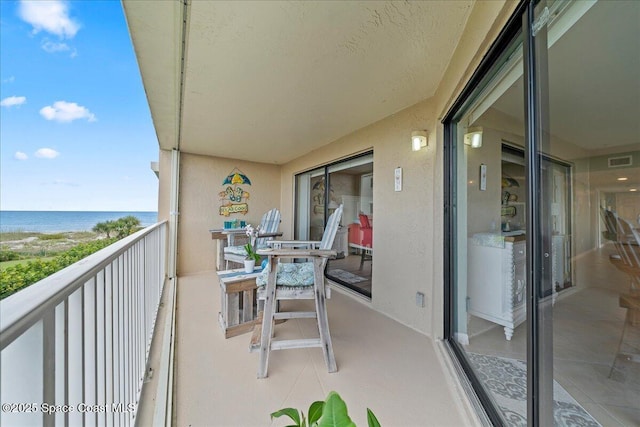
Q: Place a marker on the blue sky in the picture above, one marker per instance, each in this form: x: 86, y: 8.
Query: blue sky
x: 75, y: 128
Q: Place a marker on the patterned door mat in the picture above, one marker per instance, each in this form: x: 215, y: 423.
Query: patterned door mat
x: 506, y: 380
x: 345, y: 276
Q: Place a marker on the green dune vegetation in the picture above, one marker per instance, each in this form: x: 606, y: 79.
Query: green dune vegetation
x: 26, y: 257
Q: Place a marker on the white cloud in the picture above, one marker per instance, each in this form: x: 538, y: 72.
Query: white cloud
x: 53, y: 47
x: 12, y: 101
x: 51, y: 16
x: 20, y: 155
x: 63, y: 111
x: 9, y: 80
x: 47, y: 153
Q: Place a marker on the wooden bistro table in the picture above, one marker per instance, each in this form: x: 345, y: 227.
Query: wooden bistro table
x: 238, y: 302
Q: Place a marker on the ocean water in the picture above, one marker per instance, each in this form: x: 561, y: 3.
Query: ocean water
x: 57, y: 221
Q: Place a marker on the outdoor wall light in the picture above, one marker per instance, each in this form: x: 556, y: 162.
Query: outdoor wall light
x: 473, y: 137
x: 418, y: 139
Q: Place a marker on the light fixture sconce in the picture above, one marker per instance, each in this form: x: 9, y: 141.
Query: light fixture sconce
x: 473, y: 137
x: 418, y: 139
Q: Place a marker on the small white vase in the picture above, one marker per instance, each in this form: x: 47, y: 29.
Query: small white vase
x: 249, y: 264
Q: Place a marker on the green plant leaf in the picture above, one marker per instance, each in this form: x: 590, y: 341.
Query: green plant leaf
x: 335, y: 413
x: 315, y: 412
x: 289, y: 412
x: 372, y: 421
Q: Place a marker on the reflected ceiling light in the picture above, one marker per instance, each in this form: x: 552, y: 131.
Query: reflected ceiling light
x: 622, y: 178
x: 418, y: 139
x: 633, y: 189
x: 473, y: 137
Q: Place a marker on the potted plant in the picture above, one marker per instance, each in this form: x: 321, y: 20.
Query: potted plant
x: 252, y: 257
x: 330, y: 413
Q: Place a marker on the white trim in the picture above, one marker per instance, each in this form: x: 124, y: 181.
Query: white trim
x: 462, y: 338
x: 173, y: 214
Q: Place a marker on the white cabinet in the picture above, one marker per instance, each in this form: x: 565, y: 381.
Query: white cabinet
x: 496, y: 283
x: 560, y: 261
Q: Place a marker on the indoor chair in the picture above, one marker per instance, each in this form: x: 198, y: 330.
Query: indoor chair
x: 367, y: 239
x: 627, y: 244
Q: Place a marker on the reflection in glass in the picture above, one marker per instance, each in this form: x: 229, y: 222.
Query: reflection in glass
x: 490, y: 287
x: 594, y: 105
x: 350, y: 183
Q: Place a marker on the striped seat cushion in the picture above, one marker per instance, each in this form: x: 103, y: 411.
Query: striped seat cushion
x: 239, y: 250
x: 289, y: 274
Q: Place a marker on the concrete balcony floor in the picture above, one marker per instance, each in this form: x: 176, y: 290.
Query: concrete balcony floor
x: 382, y: 365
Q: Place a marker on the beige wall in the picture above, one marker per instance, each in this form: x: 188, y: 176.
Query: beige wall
x: 403, y: 229
x: 201, y: 180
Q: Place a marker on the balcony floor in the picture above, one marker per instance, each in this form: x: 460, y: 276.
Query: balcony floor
x: 382, y: 365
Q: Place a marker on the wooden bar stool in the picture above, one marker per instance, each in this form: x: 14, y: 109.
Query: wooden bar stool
x: 302, y: 280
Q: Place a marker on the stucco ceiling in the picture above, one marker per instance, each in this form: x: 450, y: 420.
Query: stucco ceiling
x: 270, y: 81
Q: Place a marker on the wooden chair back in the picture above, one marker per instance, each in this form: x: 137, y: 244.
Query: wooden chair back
x: 269, y: 224
x: 331, y: 229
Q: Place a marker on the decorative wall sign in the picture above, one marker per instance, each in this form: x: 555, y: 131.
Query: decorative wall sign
x: 234, y: 198
x: 231, y: 208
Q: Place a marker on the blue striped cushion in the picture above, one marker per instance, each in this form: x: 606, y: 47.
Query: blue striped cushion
x: 239, y: 250
x: 289, y: 274
x: 236, y: 250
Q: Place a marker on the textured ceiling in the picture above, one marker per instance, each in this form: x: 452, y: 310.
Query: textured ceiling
x: 270, y: 81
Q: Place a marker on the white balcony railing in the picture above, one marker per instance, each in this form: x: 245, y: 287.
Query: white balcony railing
x: 74, y: 346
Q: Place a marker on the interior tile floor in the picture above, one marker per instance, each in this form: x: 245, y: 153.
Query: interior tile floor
x: 587, y: 326
x: 382, y: 365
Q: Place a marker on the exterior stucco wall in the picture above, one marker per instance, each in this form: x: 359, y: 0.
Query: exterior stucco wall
x: 201, y: 180
x: 403, y: 229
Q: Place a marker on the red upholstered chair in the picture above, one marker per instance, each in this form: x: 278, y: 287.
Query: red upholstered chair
x: 367, y: 239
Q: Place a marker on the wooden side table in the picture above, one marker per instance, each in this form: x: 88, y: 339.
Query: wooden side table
x: 238, y: 302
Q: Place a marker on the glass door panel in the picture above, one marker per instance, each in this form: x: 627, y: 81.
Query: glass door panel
x: 490, y: 218
x: 310, y: 203
x: 591, y: 160
x: 351, y: 184
x: 318, y: 193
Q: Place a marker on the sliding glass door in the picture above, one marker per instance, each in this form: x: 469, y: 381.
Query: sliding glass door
x: 593, y: 328
x: 318, y: 193
x: 543, y: 242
